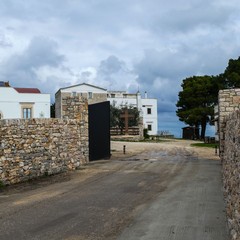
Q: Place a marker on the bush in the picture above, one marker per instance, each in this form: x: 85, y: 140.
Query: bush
x: 145, y: 133
x: 2, y: 185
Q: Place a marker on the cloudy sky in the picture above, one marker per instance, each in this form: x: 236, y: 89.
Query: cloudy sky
x: 118, y: 44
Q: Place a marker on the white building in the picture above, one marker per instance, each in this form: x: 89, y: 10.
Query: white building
x: 23, y: 103
x: 146, y: 106
x: 94, y: 94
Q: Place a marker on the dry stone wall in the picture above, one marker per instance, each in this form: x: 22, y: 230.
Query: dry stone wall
x: 231, y: 172
x: 74, y: 107
x: 228, y: 102
x: 229, y: 127
x: 36, y: 147
x: 62, y: 100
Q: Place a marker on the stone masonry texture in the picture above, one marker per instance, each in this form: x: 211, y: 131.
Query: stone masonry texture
x: 231, y: 172
x: 228, y: 102
x: 229, y: 126
x: 61, y: 101
x: 30, y: 148
x: 74, y: 108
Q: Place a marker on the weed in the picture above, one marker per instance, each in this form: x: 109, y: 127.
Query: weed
x: 209, y: 145
x: 2, y: 185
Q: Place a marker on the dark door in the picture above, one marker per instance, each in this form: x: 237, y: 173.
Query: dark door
x: 99, y: 131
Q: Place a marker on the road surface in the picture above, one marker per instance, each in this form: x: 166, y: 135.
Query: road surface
x: 155, y: 191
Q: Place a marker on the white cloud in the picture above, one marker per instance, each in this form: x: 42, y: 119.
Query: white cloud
x: 4, y: 41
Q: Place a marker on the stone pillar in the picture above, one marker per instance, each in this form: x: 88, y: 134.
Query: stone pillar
x: 74, y: 107
x: 228, y: 102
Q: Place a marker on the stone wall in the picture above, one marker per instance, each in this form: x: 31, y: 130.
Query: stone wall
x: 58, y: 107
x: 229, y: 129
x: 228, y: 102
x: 231, y: 171
x: 74, y: 107
x: 36, y: 147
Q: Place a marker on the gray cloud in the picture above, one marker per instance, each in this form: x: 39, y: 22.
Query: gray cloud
x: 119, y: 45
x: 40, y: 52
x: 20, y: 69
x: 85, y: 75
x: 186, y: 15
x: 161, y: 72
x: 114, y: 74
x: 111, y: 65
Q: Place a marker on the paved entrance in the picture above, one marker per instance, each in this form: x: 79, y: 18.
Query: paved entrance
x: 162, y: 193
x: 190, y: 208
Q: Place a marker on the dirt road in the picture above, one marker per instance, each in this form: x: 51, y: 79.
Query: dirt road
x: 155, y: 191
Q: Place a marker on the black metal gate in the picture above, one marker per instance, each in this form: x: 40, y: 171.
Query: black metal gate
x: 99, y: 131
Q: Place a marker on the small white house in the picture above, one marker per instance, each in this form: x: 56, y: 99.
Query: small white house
x: 23, y: 102
x: 146, y: 106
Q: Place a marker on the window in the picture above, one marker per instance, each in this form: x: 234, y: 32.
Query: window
x: 1, y: 115
x: 74, y: 94
x: 149, y: 111
x: 27, y: 110
x: 149, y: 127
x: 112, y: 95
x: 90, y: 95
x: 27, y: 113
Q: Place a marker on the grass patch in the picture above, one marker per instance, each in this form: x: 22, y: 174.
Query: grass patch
x: 155, y: 141
x: 143, y: 140
x: 209, y: 145
x: 124, y: 140
x: 2, y: 185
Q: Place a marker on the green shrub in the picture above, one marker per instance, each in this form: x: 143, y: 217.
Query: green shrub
x: 145, y: 133
x: 2, y: 184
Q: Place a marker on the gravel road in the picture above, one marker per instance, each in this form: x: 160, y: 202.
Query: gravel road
x: 163, y: 191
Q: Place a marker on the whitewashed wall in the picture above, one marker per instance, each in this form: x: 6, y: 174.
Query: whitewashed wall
x: 150, y: 118
x: 148, y: 103
x: 10, y: 105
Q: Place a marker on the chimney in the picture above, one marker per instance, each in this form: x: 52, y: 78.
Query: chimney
x: 139, y: 103
x: 145, y: 94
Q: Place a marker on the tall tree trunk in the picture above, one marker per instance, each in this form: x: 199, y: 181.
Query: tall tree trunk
x: 196, y: 132
x: 203, y: 127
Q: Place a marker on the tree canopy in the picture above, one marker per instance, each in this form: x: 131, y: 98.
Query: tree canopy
x: 199, y: 94
x: 196, y: 101
x: 231, y: 76
x: 117, y: 121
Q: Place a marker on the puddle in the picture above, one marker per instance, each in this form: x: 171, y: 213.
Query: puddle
x: 153, y: 159
x: 131, y: 159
